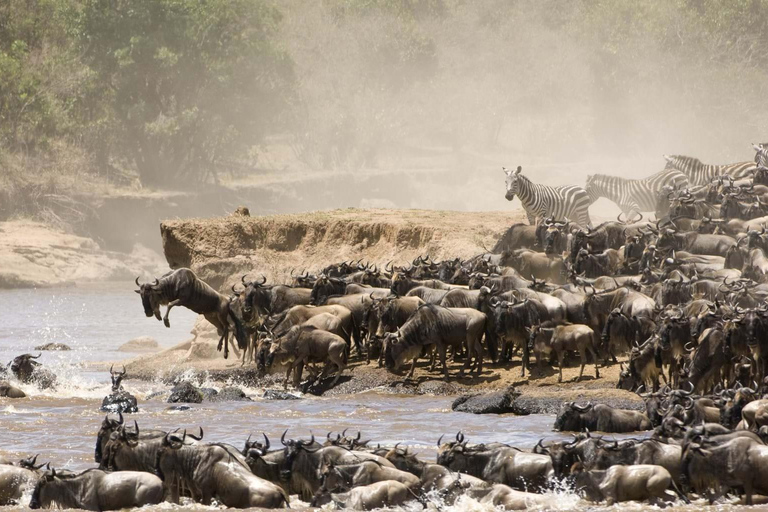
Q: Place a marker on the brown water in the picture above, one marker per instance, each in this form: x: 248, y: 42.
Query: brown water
x: 61, y: 425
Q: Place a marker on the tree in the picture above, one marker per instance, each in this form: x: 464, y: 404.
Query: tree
x: 191, y: 85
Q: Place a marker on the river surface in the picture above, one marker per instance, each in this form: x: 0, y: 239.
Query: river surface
x: 95, y: 320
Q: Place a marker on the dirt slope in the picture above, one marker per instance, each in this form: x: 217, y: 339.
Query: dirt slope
x: 220, y: 249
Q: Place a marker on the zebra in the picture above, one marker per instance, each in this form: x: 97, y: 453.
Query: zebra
x: 542, y: 201
x: 761, y: 158
x: 702, y: 174
x: 634, y: 196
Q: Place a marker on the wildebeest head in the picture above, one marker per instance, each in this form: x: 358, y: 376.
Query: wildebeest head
x: 586, y: 483
x: 150, y: 299
x: 292, y: 450
x: 108, y: 426
x: 326, y: 287
x: 447, y: 452
x: 512, y: 182
x: 256, y: 297
x: 261, y: 448
x: 39, y: 497
x: 555, y: 236
x: 394, y: 351
x: 569, y: 418
x: 117, y: 378
x: 23, y: 366
x: 387, y: 313
x: 628, y: 379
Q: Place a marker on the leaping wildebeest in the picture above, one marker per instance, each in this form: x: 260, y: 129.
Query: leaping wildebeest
x: 182, y: 287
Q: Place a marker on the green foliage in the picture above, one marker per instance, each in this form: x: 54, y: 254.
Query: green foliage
x: 189, y: 85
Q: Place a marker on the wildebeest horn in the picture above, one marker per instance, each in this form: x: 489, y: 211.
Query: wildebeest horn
x: 137, y: 282
x: 266, y: 442
x: 282, y: 438
x: 618, y: 217
x: 200, y: 437
x: 263, y: 279
x: 460, y: 437
x: 243, y: 280
x: 439, y: 440
x: 156, y: 282
x: 582, y: 408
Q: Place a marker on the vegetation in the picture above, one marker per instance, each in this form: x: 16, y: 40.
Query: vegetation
x: 173, y: 93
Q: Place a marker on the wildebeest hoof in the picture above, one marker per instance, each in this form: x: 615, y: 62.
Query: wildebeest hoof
x: 166, y: 322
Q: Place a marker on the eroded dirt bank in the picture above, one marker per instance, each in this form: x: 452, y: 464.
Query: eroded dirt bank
x: 221, y: 249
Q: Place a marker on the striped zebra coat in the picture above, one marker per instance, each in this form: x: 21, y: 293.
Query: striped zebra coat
x: 542, y: 201
x: 634, y: 196
x: 702, y: 174
x: 761, y: 158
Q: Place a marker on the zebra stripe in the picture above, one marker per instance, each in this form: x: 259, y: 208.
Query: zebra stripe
x: 761, y: 158
x: 542, y: 201
x: 634, y: 196
x: 702, y: 174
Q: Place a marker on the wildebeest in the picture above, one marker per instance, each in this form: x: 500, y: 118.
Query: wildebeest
x: 10, y: 391
x: 560, y: 339
x: 378, y: 495
x: 270, y: 300
x: 29, y: 371
x: 499, y: 464
x: 600, y: 417
x: 182, y: 287
x: 301, y: 462
x: 16, y: 480
x: 442, y: 327
x: 347, y: 476
x: 94, y: 489
x: 215, y: 471
x: 305, y: 344
x: 737, y: 463
x: 625, y: 483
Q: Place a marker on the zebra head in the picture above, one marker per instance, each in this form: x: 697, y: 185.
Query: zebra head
x: 761, y: 158
x: 513, y: 180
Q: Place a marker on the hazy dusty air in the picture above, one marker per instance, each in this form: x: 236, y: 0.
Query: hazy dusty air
x: 562, y: 88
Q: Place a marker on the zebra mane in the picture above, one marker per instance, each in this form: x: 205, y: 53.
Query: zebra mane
x: 682, y: 159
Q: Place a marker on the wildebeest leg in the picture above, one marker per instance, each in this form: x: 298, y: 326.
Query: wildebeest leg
x: 298, y: 373
x: 583, y: 356
x: 594, y: 355
x: 443, y: 349
x: 287, y: 375
x: 224, y: 340
x: 413, y: 366
x: 170, y: 305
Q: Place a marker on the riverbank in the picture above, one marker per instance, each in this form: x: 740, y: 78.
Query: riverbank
x: 36, y: 255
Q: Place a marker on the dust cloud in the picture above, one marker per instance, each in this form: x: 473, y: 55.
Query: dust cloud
x: 449, y: 91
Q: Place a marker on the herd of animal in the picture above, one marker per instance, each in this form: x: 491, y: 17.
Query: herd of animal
x: 145, y: 467
x: 682, y: 297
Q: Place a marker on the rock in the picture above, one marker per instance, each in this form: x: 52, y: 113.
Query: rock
x: 230, y: 394
x: 209, y: 394
x: 439, y: 387
x: 156, y: 394
x: 122, y: 401
x: 277, y: 394
x: 178, y: 408
x: 9, y: 390
x: 497, y: 402
x: 140, y: 344
x: 185, y: 392
x: 53, y: 347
